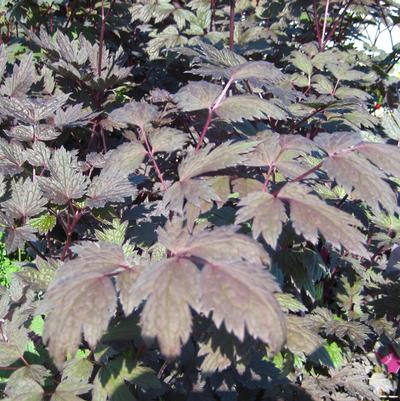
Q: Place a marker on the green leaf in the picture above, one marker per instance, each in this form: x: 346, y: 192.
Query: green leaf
x: 335, y: 354
x: 44, y: 223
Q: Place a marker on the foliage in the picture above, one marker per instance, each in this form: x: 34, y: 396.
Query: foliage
x: 8, y: 266
x: 208, y: 196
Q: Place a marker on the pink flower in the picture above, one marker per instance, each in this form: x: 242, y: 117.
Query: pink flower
x: 391, y: 361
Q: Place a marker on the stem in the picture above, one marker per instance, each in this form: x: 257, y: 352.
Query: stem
x: 335, y: 88
x: 211, y: 110
x: 300, y: 177
x: 70, y: 231
x: 162, y: 369
x: 308, y: 172
x: 213, y: 10
x: 336, y: 23
x: 316, y: 111
x: 316, y: 21
x: 322, y: 41
x: 101, y: 41
x: 152, y: 158
x: 204, y: 130
x: 231, y: 23
x: 26, y: 363
x: 341, y: 202
x: 271, y: 169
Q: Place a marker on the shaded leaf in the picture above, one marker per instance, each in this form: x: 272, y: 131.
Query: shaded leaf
x: 81, y: 307
x: 268, y: 214
x: 166, y: 314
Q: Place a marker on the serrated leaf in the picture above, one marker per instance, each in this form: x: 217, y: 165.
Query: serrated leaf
x: 37, y: 373
x: 249, y: 107
x: 109, y: 187
x: 322, y: 84
x: 223, y: 244
x: 262, y: 71
x: 167, y: 140
x: 310, y: 215
x: 66, y: 300
x: 77, y: 370
x: 301, y: 337
x: 223, y: 288
x: 69, y: 390
x: 302, y: 62
x: 13, y: 347
x: 385, y: 157
x: 289, y: 303
x: 268, y: 214
x: 17, y: 236
x: 211, y: 159
x: 30, y: 110
x: 166, y: 314
x: 40, y: 277
x: 356, y: 332
x: 197, y: 96
x: 391, y: 124
x: 365, y: 181
x: 195, y: 191
x: 124, y: 160
x: 26, y: 200
x: 126, y: 282
x: 39, y: 155
x: 134, y: 113
x: 73, y: 116
x: 44, y: 223
x: 66, y: 182
x: 27, y: 390
x: 12, y: 157
x: 22, y: 78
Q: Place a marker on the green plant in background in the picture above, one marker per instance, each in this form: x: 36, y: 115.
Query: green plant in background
x: 7, y: 266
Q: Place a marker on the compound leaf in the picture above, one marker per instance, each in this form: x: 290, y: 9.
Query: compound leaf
x: 82, y: 306
x: 223, y: 288
x: 268, y: 214
x: 310, y: 215
x: 249, y: 107
x: 197, y: 96
x: 170, y: 287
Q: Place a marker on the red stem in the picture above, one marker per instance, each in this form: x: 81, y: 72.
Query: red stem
x: 336, y: 23
x: 301, y: 177
x: 322, y: 40
x: 101, y: 41
x: 213, y: 10
x: 316, y: 21
x: 211, y: 110
x: 271, y: 169
x: 308, y: 172
x: 152, y: 158
x: 231, y: 23
x: 205, y: 129
x: 70, y: 230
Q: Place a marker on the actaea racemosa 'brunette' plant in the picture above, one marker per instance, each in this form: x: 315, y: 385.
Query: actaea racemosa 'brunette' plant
x: 208, y: 199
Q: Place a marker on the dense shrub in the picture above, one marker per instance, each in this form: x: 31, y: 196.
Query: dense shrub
x: 208, y: 198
